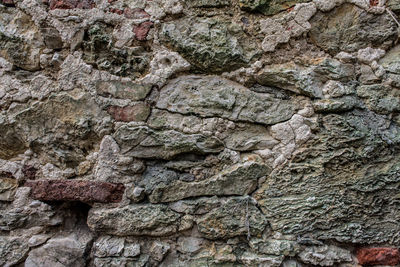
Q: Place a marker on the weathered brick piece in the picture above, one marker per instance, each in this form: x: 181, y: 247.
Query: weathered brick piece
x: 378, y: 256
x: 8, y: 2
x: 142, y: 30
x: 76, y: 190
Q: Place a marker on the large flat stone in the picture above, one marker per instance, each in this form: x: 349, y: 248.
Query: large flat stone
x: 144, y: 142
x: 213, y: 96
x: 240, y: 179
x: 144, y: 219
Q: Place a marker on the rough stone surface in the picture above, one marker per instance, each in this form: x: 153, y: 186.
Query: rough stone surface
x: 378, y: 256
x: 235, y: 217
x: 85, y: 191
x: 210, y: 44
x: 213, y: 96
x: 237, y: 180
x: 196, y: 133
x: 153, y: 220
x: 349, y: 28
x: 60, y: 251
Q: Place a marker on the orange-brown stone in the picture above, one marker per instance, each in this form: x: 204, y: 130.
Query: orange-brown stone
x: 378, y: 256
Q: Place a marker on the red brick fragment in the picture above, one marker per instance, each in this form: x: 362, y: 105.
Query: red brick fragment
x: 136, y: 13
x: 76, y: 190
x: 70, y: 4
x: 373, y: 2
x: 129, y: 113
x: 9, y: 3
x: 378, y: 256
x: 116, y: 11
x: 142, y: 30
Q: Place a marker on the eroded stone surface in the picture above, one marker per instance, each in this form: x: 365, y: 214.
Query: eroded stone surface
x: 240, y: 179
x: 199, y: 133
x: 235, y: 217
x: 210, y: 44
x: 349, y: 28
x: 148, y: 219
x: 213, y: 96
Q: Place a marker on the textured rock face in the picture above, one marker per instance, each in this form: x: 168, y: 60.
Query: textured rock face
x: 211, y: 45
x: 199, y: 133
x: 349, y: 28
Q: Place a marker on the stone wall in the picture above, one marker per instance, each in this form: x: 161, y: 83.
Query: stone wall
x: 199, y: 133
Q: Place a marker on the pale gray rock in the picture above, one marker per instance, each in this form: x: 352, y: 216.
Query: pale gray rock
x: 275, y: 246
x: 250, y: 259
x: 158, y: 250
x: 239, y: 179
x: 199, y: 206
x: 108, y: 246
x: 12, y: 250
x: 368, y: 55
x: 131, y: 250
x: 142, y: 261
x: 325, y: 255
x: 61, y: 251
x: 214, y: 96
x: 190, y: 244
x: 237, y: 216
x: 25, y: 213
x: 159, y: 220
x: 291, y: 263
x: 112, y: 166
x: 38, y: 240
x: 143, y: 142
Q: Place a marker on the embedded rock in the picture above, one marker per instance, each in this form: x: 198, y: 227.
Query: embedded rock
x: 70, y: 4
x: 144, y: 219
x: 235, y: 217
x: 347, y: 140
x: 61, y: 136
x: 143, y: 142
x: 125, y: 61
x: 123, y: 90
x: 240, y: 179
x: 210, y: 44
x: 138, y: 112
x: 61, y: 251
x: 108, y: 246
x: 349, y: 28
x: 22, y: 48
x: 8, y: 186
x: 13, y: 250
x: 325, y: 255
x: 213, y: 96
